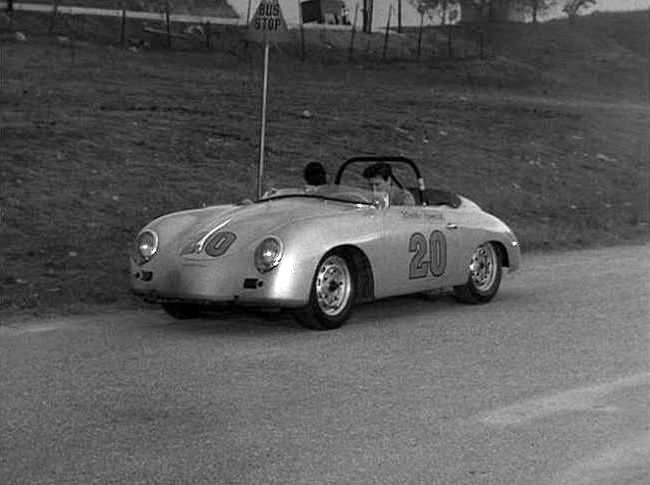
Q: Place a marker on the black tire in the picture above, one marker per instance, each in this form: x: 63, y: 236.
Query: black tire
x: 484, y: 276
x: 182, y: 311
x: 332, y: 294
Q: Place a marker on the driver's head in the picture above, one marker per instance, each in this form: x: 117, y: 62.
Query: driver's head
x: 379, y: 176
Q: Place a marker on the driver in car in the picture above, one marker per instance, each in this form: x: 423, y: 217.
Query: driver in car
x: 380, y: 178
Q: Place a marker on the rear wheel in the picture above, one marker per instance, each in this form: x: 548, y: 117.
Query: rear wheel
x: 485, y: 271
x: 182, y: 311
x: 331, y: 296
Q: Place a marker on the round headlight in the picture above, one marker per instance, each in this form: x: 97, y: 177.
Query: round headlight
x: 147, y: 245
x: 268, y: 254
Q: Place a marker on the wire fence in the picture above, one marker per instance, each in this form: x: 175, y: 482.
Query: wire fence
x: 166, y: 29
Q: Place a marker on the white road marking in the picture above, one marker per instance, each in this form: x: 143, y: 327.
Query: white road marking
x: 36, y: 328
x: 580, y: 399
x: 627, y: 462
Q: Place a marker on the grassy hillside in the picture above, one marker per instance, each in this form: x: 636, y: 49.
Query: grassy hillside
x: 603, y: 54
x: 96, y: 141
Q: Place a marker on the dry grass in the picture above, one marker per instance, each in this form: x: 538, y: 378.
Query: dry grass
x: 96, y: 141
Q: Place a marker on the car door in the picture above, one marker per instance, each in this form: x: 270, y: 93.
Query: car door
x: 420, y: 250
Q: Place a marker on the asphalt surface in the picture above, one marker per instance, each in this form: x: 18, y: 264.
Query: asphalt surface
x: 548, y: 384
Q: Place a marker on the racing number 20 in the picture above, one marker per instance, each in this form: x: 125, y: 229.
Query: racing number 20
x: 437, y: 249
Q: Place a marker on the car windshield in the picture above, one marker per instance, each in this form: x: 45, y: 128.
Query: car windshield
x: 341, y: 193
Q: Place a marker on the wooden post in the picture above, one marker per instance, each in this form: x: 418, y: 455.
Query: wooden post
x: 390, y: 11
x: 206, y: 28
x: 302, y: 33
x: 420, y: 34
x: 450, y: 51
x: 248, y: 13
x: 353, y: 33
x: 169, y: 27
x: 55, y: 9
x: 123, y: 29
x: 399, y: 16
x: 10, y: 14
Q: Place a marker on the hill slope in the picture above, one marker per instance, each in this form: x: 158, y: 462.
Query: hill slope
x: 96, y: 141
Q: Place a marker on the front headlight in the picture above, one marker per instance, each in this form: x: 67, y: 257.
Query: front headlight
x: 268, y: 254
x: 146, y: 245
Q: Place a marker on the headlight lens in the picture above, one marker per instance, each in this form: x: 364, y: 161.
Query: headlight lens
x: 268, y: 254
x: 146, y: 245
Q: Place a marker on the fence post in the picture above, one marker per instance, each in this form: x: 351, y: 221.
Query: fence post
x: 10, y: 14
x: 420, y: 34
x: 302, y: 33
x: 207, y: 28
x: 353, y: 33
x: 399, y: 16
x: 482, y: 40
x: 390, y: 11
x: 55, y: 8
x: 169, y: 27
x: 450, y: 51
x: 123, y: 29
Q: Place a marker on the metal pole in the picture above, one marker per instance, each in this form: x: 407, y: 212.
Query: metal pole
x: 260, y: 168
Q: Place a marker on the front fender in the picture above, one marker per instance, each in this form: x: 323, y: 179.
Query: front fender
x: 307, y: 242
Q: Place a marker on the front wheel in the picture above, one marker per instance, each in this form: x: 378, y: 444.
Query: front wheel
x: 331, y: 296
x: 485, y: 271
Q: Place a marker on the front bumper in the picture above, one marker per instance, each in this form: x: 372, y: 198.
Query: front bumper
x: 212, y: 283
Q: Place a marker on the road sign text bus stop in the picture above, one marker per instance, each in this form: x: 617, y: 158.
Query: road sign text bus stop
x: 268, y: 24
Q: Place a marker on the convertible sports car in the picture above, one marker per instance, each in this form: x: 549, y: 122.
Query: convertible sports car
x: 320, y: 251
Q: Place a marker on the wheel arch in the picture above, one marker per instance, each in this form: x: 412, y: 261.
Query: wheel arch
x: 364, y: 281
x: 503, y: 253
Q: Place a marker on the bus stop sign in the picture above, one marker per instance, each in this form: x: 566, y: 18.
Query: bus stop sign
x: 268, y: 24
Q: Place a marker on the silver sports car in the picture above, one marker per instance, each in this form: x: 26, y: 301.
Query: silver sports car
x: 320, y: 251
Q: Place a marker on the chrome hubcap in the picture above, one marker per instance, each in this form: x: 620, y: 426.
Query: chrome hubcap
x: 333, y: 285
x: 483, y: 268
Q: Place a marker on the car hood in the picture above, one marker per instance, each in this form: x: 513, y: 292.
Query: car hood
x: 248, y: 222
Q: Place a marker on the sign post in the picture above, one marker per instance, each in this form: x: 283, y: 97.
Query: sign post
x: 267, y: 25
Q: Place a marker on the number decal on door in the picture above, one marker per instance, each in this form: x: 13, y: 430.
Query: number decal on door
x: 437, y: 261
x: 438, y: 253
x: 418, y: 245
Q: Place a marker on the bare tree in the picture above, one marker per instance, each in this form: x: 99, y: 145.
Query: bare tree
x: 431, y: 7
x: 572, y: 7
x: 535, y: 7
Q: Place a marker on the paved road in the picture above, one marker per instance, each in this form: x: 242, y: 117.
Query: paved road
x: 549, y: 384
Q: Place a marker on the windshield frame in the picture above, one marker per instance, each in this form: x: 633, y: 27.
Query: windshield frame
x: 328, y: 192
